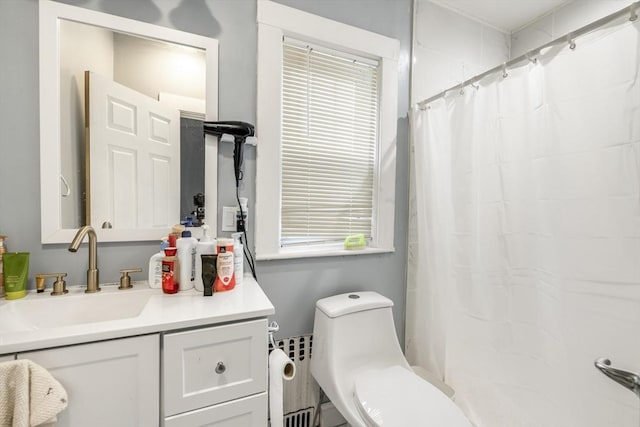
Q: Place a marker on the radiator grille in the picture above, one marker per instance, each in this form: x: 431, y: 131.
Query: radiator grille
x: 300, y: 395
x: 302, y: 418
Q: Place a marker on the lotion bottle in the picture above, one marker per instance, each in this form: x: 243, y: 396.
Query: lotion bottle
x: 206, y: 246
x: 238, y: 257
x: 225, y: 279
x: 155, y: 267
x: 186, y: 252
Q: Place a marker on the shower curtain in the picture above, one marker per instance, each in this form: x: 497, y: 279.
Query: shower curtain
x: 526, y: 262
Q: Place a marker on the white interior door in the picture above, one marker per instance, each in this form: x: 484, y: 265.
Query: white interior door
x: 134, y: 157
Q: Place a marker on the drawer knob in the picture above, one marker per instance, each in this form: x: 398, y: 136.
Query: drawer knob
x: 220, y: 368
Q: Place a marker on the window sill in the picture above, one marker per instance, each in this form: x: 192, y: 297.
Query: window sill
x: 316, y: 252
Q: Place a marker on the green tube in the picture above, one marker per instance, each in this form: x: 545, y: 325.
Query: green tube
x: 15, y: 272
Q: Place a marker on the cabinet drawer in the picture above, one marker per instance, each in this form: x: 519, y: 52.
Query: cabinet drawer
x: 207, y: 366
x: 247, y: 412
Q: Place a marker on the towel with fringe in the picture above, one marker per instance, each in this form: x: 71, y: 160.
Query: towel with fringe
x: 29, y: 395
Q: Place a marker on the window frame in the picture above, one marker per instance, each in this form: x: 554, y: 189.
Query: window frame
x: 275, y: 22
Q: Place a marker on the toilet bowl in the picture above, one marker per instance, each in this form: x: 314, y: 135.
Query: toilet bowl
x: 358, y: 362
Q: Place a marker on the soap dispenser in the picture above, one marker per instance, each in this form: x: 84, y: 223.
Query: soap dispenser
x: 238, y: 258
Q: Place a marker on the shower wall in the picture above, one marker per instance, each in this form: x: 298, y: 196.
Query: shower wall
x: 562, y: 21
x: 449, y: 48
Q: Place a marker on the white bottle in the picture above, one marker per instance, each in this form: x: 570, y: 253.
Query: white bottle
x: 242, y: 225
x: 238, y: 258
x: 155, y: 267
x: 205, y: 246
x: 186, y: 253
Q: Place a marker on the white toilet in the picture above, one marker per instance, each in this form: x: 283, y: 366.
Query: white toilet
x: 358, y: 363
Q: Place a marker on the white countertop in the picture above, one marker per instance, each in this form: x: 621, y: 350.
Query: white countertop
x: 40, y: 321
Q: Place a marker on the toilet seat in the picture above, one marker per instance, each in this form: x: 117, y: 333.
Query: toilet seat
x: 396, y: 397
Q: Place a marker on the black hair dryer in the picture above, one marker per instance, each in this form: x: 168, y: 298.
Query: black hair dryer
x: 240, y: 131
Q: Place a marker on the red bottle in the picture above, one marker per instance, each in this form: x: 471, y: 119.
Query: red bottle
x: 170, y: 271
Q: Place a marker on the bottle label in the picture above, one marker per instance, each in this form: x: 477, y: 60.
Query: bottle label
x: 170, y: 282
x: 225, y: 279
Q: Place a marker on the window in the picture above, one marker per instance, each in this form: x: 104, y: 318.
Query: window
x: 327, y: 95
x: 329, y: 134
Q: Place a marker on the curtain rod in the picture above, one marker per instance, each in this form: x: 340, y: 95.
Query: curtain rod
x: 530, y: 55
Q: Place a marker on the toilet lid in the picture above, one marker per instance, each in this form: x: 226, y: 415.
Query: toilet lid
x: 396, y: 397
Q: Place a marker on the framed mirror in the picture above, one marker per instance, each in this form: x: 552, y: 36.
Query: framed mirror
x: 119, y: 101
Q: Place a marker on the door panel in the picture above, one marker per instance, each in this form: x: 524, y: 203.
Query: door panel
x: 134, y: 157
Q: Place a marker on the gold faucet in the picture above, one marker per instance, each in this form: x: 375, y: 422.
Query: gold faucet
x: 92, y: 272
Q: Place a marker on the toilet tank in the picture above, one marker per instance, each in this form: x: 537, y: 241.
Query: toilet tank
x: 353, y: 332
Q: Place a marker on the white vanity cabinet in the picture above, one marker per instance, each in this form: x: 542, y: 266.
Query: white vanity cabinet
x: 109, y: 383
x: 182, y: 360
x: 216, y: 376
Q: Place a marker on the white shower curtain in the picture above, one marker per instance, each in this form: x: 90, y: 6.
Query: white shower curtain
x: 526, y: 266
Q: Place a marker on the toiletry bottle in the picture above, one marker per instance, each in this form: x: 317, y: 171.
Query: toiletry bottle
x: 186, y: 250
x: 170, y: 271
x: 204, y: 247
x: 176, y: 233
x: 225, y: 279
x: 155, y: 266
x: 241, y: 219
x: 209, y: 273
x: 15, y: 272
x: 3, y: 249
x: 238, y: 258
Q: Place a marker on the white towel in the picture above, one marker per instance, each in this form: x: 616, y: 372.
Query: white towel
x: 29, y: 395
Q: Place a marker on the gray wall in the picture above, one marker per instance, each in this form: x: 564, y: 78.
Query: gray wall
x: 292, y: 285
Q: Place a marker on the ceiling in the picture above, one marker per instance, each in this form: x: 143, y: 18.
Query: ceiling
x: 505, y: 15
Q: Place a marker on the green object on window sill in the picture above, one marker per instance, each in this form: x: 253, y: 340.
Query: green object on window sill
x: 355, y: 241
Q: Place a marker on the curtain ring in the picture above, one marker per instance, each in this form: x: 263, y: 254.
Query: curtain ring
x: 572, y: 43
x: 531, y: 58
x: 632, y: 13
x: 504, y: 71
x: 461, y: 89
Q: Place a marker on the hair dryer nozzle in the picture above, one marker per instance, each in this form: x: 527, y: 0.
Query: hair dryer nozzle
x: 237, y: 129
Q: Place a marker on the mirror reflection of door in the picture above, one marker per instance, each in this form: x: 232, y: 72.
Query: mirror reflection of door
x: 134, y: 157
x: 148, y: 66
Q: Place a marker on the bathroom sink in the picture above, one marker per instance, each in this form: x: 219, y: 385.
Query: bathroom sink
x: 42, y: 311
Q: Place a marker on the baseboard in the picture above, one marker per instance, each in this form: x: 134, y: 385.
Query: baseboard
x: 330, y: 417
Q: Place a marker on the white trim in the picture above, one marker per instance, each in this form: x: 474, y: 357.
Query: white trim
x: 49, y: 37
x: 276, y: 21
x: 314, y: 252
x: 327, y: 32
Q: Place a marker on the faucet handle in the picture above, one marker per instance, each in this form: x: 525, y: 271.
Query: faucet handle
x: 59, y: 286
x: 125, y: 280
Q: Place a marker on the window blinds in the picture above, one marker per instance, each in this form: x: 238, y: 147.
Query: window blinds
x: 329, y: 140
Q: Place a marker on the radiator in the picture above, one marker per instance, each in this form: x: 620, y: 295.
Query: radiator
x: 300, y: 395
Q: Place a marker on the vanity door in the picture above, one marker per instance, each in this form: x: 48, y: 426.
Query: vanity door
x: 108, y: 383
